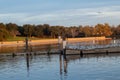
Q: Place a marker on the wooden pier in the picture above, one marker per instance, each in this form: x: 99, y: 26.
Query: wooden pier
x: 68, y: 49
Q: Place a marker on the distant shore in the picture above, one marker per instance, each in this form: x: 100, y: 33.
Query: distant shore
x: 49, y: 41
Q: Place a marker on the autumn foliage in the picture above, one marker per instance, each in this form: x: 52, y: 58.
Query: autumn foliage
x: 47, y: 31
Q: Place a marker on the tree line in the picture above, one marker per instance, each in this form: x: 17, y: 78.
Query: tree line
x: 47, y: 31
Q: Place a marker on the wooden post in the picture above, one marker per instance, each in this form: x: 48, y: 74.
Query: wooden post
x: 107, y: 52
x: 64, y: 48
x: 59, y: 42
x: 13, y: 55
x: 48, y: 49
x: 26, y: 43
x: 64, y: 52
x: 59, y: 39
x: 61, y: 52
x: 64, y: 44
x: 81, y: 53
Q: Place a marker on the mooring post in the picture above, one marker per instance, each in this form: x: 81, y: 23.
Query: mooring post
x: 107, y: 52
x: 13, y: 55
x: 59, y: 42
x: 81, y: 53
x: 26, y: 41
x: 64, y: 48
x: 65, y: 54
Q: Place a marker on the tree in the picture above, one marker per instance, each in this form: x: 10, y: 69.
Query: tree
x: 103, y: 30
x: 62, y: 31
x: 54, y: 31
x: 46, y: 30
x: 28, y: 29
x: 12, y: 28
x: 89, y: 31
x: 73, y: 31
x: 116, y: 31
x: 39, y: 31
x: 21, y: 31
x: 107, y: 30
x: 3, y: 32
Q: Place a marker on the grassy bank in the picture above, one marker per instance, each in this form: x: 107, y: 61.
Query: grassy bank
x: 16, y: 39
x: 23, y: 38
x: 35, y: 38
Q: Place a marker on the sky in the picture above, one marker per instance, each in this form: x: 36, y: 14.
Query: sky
x: 60, y: 12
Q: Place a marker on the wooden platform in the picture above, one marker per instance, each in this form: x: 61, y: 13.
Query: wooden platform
x: 94, y: 51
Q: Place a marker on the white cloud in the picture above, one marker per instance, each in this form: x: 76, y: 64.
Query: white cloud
x: 67, y: 17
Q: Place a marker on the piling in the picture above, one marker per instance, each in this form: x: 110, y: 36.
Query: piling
x: 64, y: 53
x: 13, y: 55
x: 64, y: 48
x: 61, y: 52
x: 81, y: 53
x: 26, y: 41
x: 48, y: 53
x: 59, y: 42
x: 107, y: 52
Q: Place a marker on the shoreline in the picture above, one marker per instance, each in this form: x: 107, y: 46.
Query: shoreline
x: 50, y: 41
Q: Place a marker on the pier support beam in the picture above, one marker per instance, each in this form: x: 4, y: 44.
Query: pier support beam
x: 64, y: 53
x: 64, y: 47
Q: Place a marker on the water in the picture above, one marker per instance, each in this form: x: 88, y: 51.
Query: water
x: 21, y: 49
x: 54, y: 67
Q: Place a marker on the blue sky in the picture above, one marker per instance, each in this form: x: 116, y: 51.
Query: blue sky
x: 60, y: 12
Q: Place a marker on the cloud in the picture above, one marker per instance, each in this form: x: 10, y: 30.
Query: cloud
x: 66, y: 17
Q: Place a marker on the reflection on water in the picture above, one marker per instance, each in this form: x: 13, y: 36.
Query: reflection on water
x: 18, y: 49
x: 55, y: 67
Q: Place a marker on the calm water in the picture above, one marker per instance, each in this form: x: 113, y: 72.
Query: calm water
x: 54, y: 67
x: 20, y: 49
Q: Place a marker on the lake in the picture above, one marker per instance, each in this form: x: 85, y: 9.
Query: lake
x: 54, y: 67
x: 21, y: 49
